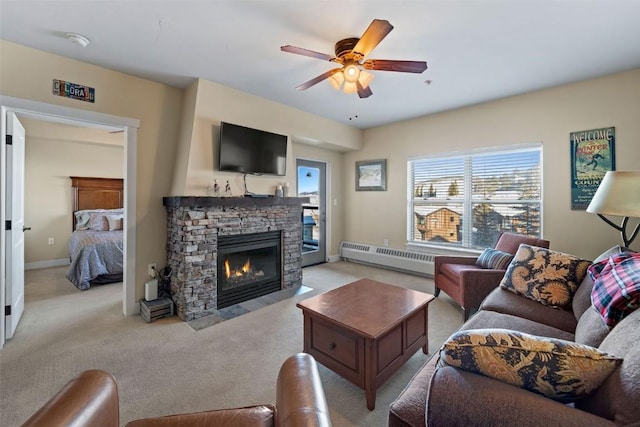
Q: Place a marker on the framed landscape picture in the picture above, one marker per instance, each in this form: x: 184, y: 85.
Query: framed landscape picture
x: 371, y: 175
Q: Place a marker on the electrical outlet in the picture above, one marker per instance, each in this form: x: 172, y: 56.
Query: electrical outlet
x: 386, y: 242
x: 152, y: 270
x: 52, y: 241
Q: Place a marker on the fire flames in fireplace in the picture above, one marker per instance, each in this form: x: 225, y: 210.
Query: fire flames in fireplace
x: 240, y: 274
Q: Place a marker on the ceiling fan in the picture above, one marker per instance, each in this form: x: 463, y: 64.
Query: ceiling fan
x: 350, y: 53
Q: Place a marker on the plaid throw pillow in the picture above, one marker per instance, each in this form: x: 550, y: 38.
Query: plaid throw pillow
x: 494, y: 259
x: 616, y: 286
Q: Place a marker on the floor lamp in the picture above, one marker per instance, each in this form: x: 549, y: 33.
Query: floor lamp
x: 618, y: 195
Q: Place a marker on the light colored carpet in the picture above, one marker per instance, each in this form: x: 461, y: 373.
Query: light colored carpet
x: 245, y: 307
x: 166, y: 367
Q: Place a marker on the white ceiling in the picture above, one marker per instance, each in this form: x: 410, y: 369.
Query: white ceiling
x: 476, y: 50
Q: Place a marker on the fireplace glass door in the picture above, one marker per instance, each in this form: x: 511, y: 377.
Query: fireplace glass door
x: 249, y: 266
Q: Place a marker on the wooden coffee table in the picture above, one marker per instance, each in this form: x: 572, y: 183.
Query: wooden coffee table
x: 366, y: 330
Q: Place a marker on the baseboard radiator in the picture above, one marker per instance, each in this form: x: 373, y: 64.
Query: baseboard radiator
x: 396, y: 259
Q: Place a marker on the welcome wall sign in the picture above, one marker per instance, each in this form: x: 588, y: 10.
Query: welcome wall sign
x: 74, y: 91
x: 592, y: 155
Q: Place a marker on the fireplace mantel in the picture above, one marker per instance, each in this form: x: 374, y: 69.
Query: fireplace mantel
x: 196, y: 201
x: 194, y: 225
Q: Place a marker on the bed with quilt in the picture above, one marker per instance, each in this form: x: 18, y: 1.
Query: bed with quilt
x: 96, y: 245
x: 97, y: 251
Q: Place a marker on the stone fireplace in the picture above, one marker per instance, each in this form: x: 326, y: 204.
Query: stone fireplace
x: 223, y: 250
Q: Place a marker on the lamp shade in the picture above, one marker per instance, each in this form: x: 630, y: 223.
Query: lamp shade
x: 618, y: 194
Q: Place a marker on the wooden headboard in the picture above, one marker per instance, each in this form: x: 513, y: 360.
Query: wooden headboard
x: 95, y: 193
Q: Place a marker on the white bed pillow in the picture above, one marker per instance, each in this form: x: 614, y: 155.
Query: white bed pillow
x: 84, y: 216
x: 82, y: 220
x: 98, y: 222
x: 115, y: 222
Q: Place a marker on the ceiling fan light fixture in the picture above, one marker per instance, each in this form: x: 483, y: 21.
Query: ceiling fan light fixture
x: 350, y: 53
x: 350, y: 87
x: 351, y: 72
x: 336, y: 80
x: 365, y: 78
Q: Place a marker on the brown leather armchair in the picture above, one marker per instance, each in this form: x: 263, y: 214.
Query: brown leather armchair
x: 91, y: 399
x: 466, y: 282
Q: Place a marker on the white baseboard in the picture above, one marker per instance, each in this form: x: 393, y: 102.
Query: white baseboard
x: 46, y: 264
x: 333, y: 258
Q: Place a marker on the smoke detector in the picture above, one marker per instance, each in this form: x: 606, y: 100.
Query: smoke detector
x: 79, y: 39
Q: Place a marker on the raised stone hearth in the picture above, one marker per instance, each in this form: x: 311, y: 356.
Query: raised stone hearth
x: 193, y: 227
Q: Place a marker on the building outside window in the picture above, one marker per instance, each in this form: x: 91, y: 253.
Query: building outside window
x: 467, y: 199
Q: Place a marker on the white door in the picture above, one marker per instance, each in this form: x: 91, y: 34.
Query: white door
x: 14, y: 280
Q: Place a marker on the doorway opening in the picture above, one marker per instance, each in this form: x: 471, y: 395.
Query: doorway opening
x: 59, y: 114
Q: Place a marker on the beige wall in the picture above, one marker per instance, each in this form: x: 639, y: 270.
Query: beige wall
x: 215, y: 103
x: 184, y: 142
x: 53, y: 153
x: 548, y: 116
x: 28, y: 73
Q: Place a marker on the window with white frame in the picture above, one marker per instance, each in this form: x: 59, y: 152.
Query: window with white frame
x: 466, y: 200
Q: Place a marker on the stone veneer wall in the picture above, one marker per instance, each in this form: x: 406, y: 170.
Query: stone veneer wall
x: 193, y: 227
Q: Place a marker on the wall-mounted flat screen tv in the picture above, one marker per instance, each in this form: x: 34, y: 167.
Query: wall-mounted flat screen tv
x: 253, y: 151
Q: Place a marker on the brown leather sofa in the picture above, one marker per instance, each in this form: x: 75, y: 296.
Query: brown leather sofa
x: 91, y: 399
x: 468, y: 283
x: 450, y: 396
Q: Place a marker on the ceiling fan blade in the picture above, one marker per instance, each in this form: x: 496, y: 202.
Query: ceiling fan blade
x: 364, y: 92
x: 306, y: 52
x: 391, y: 65
x: 318, y: 79
x: 378, y: 29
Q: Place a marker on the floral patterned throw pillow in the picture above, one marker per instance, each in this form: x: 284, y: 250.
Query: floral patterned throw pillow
x: 558, y: 369
x: 546, y: 276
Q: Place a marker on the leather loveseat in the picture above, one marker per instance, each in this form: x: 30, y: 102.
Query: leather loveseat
x: 91, y: 399
x: 450, y: 396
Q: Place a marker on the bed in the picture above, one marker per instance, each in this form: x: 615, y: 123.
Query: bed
x: 96, y: 247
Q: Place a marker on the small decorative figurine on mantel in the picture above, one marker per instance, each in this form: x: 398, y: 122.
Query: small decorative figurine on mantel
x: 214, y: 189
x: 227, y: 189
